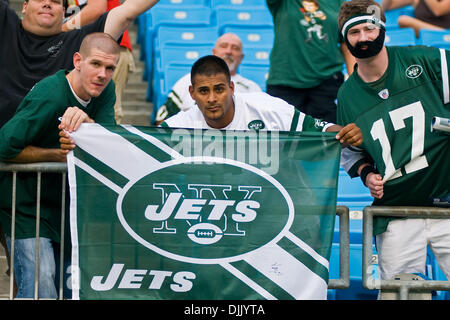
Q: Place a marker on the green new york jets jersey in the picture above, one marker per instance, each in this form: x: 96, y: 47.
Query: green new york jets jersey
x: 395, y: 114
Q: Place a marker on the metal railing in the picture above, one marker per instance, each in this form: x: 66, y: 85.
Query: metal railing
x: 39, y: 168
x: 403, y: 286
x: 342, y: 282
x: 344, y: 252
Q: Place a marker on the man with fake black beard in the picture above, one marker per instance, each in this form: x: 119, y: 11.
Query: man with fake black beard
x: 392, y: 95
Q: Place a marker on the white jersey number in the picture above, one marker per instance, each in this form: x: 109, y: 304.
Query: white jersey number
x: 378, y: 132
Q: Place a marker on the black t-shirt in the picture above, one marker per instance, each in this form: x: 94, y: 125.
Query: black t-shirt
x: 26, y: 58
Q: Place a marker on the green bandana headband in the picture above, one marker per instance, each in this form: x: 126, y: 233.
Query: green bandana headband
x: 353, y: 21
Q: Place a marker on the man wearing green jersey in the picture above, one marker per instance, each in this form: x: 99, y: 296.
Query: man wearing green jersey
x: 84, y: 94
x: 392, y: 95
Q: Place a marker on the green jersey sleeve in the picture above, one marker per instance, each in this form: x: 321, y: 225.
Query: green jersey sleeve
x: 304, y: 122
x: 28, y: 126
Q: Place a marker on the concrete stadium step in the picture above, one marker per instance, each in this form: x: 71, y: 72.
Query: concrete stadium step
x: 4, y: 287
x: 136, y: 109
x: 4, y: 278
x: 138, y: 117
x: 3, y: 264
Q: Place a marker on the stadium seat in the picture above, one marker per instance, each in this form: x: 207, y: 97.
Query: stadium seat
x: 250, y: 16
x: 145, y: 19
x: 393, y: 15
x: 180, y: 3
x: 353, y: 194
x: 170, y: 75
x: 184, y: 15
x: 174, y: 54
x: 400, y: 37
x: 251, y: 36
x: 355, y: 227
x: 434, y: 272
x: 237, y: 3
x: 435, y: 38
x: 257, y: 73
x: 184, y: 35
x: 182, y: 54
x: 142, y: 20
x: 170, y: 15
x: 352, y: 189
x: 257, y: 55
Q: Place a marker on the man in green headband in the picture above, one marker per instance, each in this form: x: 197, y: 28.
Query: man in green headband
x: 392, y: 95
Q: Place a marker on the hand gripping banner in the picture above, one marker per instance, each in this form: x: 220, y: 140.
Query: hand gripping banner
x: 159, y: 213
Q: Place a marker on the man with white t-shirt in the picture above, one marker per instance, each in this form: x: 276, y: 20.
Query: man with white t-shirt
x: 220, y: 107
x: 229, y: 48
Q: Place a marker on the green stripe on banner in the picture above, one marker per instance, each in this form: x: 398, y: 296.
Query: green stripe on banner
x: 295, y: 120
x: 142, y: 144
x: 99, y: 166
x: 262, y: 280
x: 305, y: 258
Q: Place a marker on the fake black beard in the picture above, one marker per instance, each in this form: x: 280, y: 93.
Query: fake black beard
x: 372, y: 47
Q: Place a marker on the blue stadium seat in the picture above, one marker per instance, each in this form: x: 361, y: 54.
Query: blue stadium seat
x: 393, y: 15
x: 353, y: 194
x: 352, y: 190
x: 257, y: 73
x: 182, y: 54
x: 434, y: 272
x: 237, y: 3
x: 400, y: 37
x: 172, y: 16
x: 435, y: 38
x: 170, y: 75
x: 142, y: 20
x: 184, y: 35
x: 355, y: 228
x: 257, y: 55
x: 251, y: 36
x: 145, y: 19
x: 184, y: 15
x: 180, y: 3
x: 249, y: 16
x: 174, y: 54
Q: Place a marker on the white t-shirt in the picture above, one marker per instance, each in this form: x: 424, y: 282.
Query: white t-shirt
x: 180, y: 99
x: 256, y: 110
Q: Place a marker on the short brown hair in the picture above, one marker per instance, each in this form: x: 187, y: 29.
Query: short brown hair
x: 101, y: 41
x: 357, y: 7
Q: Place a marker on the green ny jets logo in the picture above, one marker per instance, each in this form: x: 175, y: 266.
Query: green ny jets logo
x: 184, y: 204
x: 256, y: 125
x: 414, y: 71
